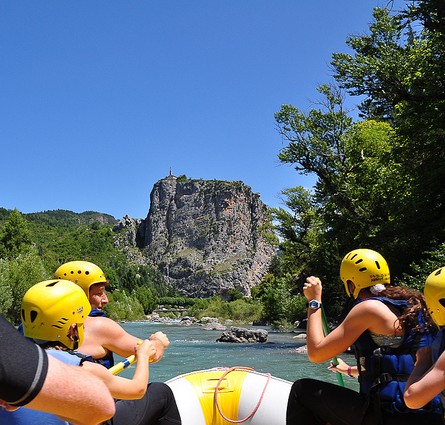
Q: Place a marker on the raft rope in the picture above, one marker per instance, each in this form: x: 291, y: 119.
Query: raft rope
x: 250, y: 415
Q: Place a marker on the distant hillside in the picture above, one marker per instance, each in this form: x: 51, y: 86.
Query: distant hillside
x: 62, y: 235
x: 65, y: 218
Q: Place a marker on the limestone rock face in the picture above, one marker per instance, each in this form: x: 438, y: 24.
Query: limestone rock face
x: 206, y: 236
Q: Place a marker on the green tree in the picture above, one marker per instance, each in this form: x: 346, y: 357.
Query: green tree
x: 298, y: 226
x: 17, y: 275
x: 124, y: 307
x: 357, y: 197
x: 431, y: 261
x: 380, y: 180
x: 398, y: 70
x: 145, y: 296
x: 15, y: 235
x: 282, y: 306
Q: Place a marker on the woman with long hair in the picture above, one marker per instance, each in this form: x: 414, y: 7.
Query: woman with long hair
x: 385, y: 327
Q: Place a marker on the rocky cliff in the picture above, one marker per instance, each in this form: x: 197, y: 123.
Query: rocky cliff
x: 206, y: 236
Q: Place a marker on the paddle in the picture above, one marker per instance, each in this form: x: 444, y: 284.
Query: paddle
x: 334, y: 359
x: 119, y: 367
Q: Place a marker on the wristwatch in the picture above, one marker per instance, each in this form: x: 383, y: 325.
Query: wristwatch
x: 314, y: 304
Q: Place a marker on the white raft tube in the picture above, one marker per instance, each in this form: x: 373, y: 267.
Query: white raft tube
x: 223, y: 396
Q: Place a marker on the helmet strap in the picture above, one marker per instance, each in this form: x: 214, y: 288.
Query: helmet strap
x: 73, y: 335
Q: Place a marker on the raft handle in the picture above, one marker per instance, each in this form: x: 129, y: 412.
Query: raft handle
x: 250, y: 415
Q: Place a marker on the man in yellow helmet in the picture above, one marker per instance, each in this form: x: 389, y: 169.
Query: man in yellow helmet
x: 91, y: 279
x: 103, y: 336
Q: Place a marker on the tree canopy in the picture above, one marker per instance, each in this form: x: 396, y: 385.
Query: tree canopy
x: 379, y: 177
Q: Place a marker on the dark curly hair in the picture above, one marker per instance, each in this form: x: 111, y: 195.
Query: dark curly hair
x: 410, y: 315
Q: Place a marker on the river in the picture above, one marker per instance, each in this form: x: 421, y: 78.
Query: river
x: 194, y: 348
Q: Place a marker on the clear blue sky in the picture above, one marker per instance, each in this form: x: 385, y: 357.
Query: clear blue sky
x: 99, y: 98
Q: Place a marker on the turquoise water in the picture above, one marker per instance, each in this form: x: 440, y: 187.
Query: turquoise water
x: 193, y: 348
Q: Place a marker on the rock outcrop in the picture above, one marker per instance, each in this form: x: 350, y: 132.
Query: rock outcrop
x: 206, y: 236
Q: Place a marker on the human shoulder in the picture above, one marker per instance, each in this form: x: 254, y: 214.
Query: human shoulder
x: 370, y: 305
x: 369, y: 311
x: 377, y: 316
x: 103, y: 326
x: 100, y: 322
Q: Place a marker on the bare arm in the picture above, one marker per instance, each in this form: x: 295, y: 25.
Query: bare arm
x: 123, y: 388
x: 426, y: 380
x: 319, y: 347
x: 368, y: 315
x: 344, y: 368
x: 74, y: 394
x: 102, y: 333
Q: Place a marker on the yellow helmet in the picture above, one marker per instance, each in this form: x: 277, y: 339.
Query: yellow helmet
x: 434, y: 292
x: 365, y: 268
x: 82, y: 273
x: 49, y: 308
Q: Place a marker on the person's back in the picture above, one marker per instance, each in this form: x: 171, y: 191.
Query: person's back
x: 385, y: 361
x: 383, y: 327
x: 102, y: 338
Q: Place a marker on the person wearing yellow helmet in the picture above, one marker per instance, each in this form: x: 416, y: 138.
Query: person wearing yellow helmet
x: 427, y: 379
x: 103, y: 336
x: 385, y: 327
x: 90, y: 278
x: 53, y: 315
x: 31, y: 378
x: 364, y: 268
x: 55, y: 310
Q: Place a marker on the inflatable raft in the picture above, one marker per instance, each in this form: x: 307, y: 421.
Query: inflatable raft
x: 221, y: 396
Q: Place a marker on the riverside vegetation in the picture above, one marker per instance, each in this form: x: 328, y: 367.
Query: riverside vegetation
x: 33, y: 245
x: 378, y: 184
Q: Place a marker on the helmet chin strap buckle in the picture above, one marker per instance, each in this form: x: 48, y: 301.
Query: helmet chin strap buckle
x: 73, y: 335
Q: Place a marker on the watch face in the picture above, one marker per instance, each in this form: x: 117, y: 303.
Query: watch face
x: 314, y: 304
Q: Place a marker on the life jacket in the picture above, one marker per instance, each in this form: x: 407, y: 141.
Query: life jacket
x: 24, y: 416
x: 383, y: 371
x: 95, y: 312
x: 71, y: 356
x: 438, y: 346
x: 108, y: 359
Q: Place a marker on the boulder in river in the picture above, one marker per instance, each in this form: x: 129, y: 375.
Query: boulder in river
x: 243, y: 335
